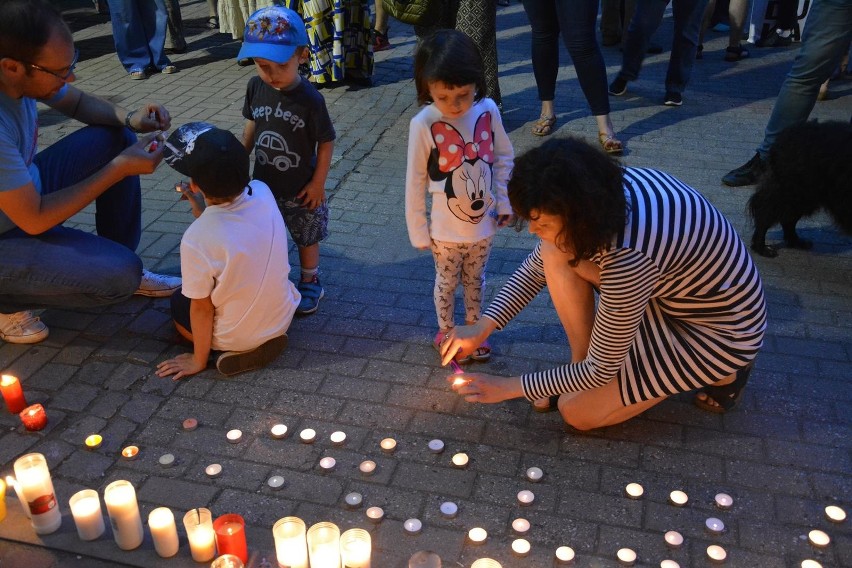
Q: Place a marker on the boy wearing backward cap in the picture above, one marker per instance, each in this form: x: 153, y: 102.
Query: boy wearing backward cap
x: 236, y: 296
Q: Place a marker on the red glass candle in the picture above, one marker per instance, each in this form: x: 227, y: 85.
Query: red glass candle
x: 34, y: 417
x: 230, y: 532
x: 12, y: 393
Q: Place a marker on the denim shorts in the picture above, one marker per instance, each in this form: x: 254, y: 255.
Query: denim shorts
x: 306, y: 227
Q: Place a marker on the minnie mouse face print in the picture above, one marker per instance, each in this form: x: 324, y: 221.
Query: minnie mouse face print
x: 466, y: 167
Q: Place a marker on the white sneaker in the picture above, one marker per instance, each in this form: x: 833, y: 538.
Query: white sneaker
x: 157, y: 285
x: 22, y: 327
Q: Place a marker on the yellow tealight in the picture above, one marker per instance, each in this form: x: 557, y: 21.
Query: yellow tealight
x: 94, y: 441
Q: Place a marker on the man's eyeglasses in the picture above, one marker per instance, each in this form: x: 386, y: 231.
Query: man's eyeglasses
x: 59, y: 75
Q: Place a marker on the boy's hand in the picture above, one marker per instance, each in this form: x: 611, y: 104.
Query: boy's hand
x: 312, y: 195
x: 195, y: 198
x: 181, y: 366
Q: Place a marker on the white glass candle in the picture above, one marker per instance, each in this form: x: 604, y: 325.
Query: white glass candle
x: 123, y: 511
x: 724, y: 501
x: 634, y: 490
x: 673, y: 539
x: 835, y: 514
x: 200, y: 534
x: 819, y: 538
x: 324, y: 545
x: 412, y: 526
x: 355, y: 548
x: 564, y: 555
x: 485, y: 563
x: 291, y: 547
x: 627, y: 556
x: 535, y: 474
x: 716, y: 553
x: 13, y: 483
x: 36, y: 487
x: 526, y: 497
x: 86, y: 509
x: 678, y: 498
x: 161, y: 523
x: 477, y: 535
x: 521, y: 547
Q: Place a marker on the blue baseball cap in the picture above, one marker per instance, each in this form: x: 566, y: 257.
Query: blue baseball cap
x: 273, y: 33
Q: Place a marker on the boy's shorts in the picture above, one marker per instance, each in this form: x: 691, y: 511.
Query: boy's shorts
x: 180, y: 309
x: 306, y: 227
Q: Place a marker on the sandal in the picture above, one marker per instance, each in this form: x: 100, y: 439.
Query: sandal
x: 169, y: 69
x: 552, y: 404
x: 734, y: 54
x: 212, y: 22
x: 721, y: 399
x: 483, y: 352
x: 610, y: 144
x: 137, y: 74
x: 544, y: 125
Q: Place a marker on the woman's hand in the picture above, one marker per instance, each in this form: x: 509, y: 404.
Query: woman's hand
x: 479, y: 387
x: 462, y: 341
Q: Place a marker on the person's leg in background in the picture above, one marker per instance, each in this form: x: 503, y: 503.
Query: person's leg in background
x: 129, y: 37
x: 212, y: 14
x: 610, y: 22
x: 544, y: 48
x: 687, y: 23
x: 380, y: 29
x: 175, y: 41
x: 478, y: 19
x: 646, y: 20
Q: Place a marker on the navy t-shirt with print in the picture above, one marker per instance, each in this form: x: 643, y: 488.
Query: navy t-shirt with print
x: 288, y: 127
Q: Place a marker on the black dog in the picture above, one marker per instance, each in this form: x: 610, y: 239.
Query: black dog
x: 809, y: 168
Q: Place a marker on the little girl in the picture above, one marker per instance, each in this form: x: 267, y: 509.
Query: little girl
x: 459, y: 153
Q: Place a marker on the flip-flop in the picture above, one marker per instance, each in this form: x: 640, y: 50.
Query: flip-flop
x: 137, y: 74
x: 725, y: 396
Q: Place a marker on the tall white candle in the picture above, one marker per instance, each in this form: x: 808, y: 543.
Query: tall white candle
x: 86, y: 509
x: 161, y: 522
x: 123, y: 510
x: 355, y: 548
x: 324, y: 545
x: 200, y: 534
x: 13, y: 483
x: 36, y: 487
x: 291, y: 548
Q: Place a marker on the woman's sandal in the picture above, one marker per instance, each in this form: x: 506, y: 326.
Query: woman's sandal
x: 137, y: 74
x: 610, y: 144
x: 482, y: 353
x: 721, y: 399
x: 552, y: 404
x: 544, y: 125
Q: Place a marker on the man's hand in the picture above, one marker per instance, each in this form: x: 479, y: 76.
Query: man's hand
x: 141, y: 158
x: 312, y: 195
x: 151, y: 117
x: 181, y: 366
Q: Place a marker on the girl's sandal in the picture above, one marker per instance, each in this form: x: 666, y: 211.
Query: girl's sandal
x: 721, y: 399
x: 544, y: 125
x: 482, y: 353
x: 610, y: 144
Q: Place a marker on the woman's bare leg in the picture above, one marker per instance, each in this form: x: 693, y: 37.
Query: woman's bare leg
x: 599, y: 407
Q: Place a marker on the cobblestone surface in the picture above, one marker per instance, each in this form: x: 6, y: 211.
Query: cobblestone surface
x: 364, y: 363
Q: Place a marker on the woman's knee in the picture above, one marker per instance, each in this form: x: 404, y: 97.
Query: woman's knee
x: 575, y: 412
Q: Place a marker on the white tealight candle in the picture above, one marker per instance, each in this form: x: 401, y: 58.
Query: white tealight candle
x: 535, y: 474
x: 234, y: 436
x: 412, y: 526
x: 835, y: 514
x: 327, y: 463
x: 477, y: 535
x: 367, y: 467
x: 338, y: 438
x: 633, y: 490
x: 521, y: 547
x: 388, y: 445
x: 669, y: 564
x: 167, y: 460
x: 808, y: 563
x: 213, y: 470
x: 714, y: 525
x: 436, y: 446
x: 673, y: 539
x: 278, y: 431
x: 564, y: 555
x: 724, y: 501
x: 526, y: 497
x: 275, y: 482
x: 308, y: 435
x: 716, y: 553
x: 449, y: 509
x: 521, y: 526
x: 460, y: 460
x: 375, y: 514
x: 678, y: 498
x: 353, y: 500
x: 627, y: 556
x: 819, y: 538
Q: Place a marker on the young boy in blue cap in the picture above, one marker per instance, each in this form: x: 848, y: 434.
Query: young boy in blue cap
x: 236, y: 297
x: 290, y: 131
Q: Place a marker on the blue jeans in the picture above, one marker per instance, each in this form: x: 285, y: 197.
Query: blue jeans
x: 687, y: 24
x: 828, y: 30
x: 65, y: 267
x: 575, y: 19
x: 139, y: 31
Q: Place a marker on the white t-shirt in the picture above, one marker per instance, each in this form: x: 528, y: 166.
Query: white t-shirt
x: 236, y: 253
x: 464, y: 164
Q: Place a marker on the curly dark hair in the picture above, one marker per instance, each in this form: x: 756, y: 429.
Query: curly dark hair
x: 451, y: 57
x: 577, y: 182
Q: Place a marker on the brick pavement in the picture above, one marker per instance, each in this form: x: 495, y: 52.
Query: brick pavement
x: 363, y: 363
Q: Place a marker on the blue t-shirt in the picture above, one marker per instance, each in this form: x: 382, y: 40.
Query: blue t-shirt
x: 19, y: 145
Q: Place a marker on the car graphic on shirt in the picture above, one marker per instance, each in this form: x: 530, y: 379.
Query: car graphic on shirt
x: 282, y: 158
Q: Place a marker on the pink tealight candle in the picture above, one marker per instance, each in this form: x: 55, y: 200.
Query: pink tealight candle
x: 526, y: 497
x: 327, y: 463
x: 412, y: 526
x: 190, y: 424
x: 673, y: 539
x: 521, y: 526
x: 375, y: 514
x: 716, y: 553
x: 367, y: 467
x: 724, y: 501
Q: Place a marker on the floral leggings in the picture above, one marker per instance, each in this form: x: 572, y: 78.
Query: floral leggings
x: 454, y: 262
